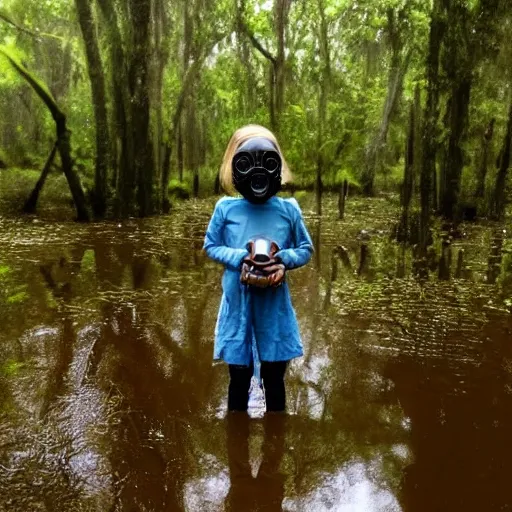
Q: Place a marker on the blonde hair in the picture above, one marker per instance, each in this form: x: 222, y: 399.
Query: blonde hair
x: 238, y: 138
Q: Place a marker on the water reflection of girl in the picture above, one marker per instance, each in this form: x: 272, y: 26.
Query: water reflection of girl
x: 265, y: 491
x: 256, y: 321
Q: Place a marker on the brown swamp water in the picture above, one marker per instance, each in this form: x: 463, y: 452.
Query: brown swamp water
x: 109, y: 400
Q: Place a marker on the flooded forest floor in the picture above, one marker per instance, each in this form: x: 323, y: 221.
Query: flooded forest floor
x: 109, y: 400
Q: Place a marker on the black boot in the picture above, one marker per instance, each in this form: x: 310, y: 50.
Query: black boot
x: 239, y: 384
x: 272, y: 374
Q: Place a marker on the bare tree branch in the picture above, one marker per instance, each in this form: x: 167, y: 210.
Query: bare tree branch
x: 257, y: 44
x: 40, y: 89
x: 37, y: 34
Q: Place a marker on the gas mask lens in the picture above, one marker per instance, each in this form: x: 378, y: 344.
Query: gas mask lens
x: 270, y: 162
x: 243, y: 164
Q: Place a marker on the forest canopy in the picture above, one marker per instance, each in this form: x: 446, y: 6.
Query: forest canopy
x: 139, y: 98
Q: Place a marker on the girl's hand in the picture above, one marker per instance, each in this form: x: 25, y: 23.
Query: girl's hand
x: 276, y: 274
x: 262, y: 277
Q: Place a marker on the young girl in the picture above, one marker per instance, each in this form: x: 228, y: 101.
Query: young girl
x: 254, y: 316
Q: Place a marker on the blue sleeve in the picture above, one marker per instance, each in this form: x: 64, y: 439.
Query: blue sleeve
x: 302, y: 249
x: 213, y: 243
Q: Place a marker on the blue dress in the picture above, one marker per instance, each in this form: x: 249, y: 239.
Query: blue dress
x: 248, y: 316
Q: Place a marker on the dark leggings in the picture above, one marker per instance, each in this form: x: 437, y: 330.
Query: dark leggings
x: 272, y: 375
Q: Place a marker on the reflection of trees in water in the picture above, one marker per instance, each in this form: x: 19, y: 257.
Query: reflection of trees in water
x: 460, y: 426
x: 446, y: 350
x: 442, y: 331
x: 36, y: 450
x: 62, y: 292
x: 358, y: 420
x: 151, y: 450
x: 155, y: 386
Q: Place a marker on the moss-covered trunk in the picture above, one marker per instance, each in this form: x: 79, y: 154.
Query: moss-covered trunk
x: 97, y: 79
x: 428, y: 168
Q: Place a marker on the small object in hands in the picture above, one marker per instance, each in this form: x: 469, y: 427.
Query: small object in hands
x: 261, y: 268
x: 262, y: 250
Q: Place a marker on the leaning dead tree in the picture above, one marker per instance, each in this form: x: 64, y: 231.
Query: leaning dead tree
x: 31, y: 203
x: 63, y: 134
x: 400, y: 60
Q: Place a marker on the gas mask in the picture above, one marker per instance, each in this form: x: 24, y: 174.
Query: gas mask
x: 257, y: 170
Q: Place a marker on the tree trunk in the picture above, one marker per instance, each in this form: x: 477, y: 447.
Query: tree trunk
x: 140, y: 90
x: 498, y: 209
x: 180, y: 151
x: 277, y: 63
x: 63, y: 136
x: 445, y: 261
x: 203, y: 146
x: 250, y: 104
x: 192, y: 135
x: 322, y: 105
x: 159, y: 60
x: 418, y: 126
x: 125, y: 182
x: 114, y: 152
x: 272, y: 97
x: 408, y: 183
x: 458, y: 65
x: 97, y: 79
x: 428, y: 168
x: 482, y: 172
x: 216, y: 185
x: 456, y: 123
x: 495, y: 257
x: 30, y: 205
x: 435, y: 189
x: 342, y: 198
x: 190, y: 75
x: 175, y: 133
x: 281, y: 12
x: 244, y: 56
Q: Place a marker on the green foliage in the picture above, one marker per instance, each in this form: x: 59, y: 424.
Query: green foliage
x: 13, y: 57
x: 391, y: 177
x: 88, y: 261
x: 232, y: 88
x: 11, y: 368
x: 300, y: 195
x: 9, y: 77
x: 179, y: 189
x: 346, y: 174
x: 17, y: 297
x: 17, y: 184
